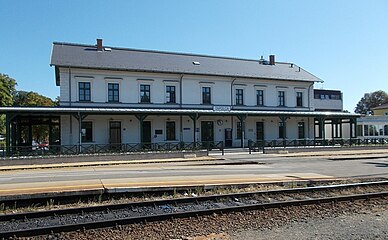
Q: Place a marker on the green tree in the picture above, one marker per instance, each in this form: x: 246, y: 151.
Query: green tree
x: 371, y: 100
x: 22, y: 98
x: 7, y: 90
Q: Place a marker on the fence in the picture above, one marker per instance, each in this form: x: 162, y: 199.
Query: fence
x: 58, y: 150
x: 255, y: 146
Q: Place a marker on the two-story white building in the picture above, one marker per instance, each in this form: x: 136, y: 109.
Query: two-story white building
x: 111, y: 95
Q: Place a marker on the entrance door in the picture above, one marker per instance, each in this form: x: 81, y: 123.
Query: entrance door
x: 207, y: 131
x: 146, y: 139
x: 115, y: 134
x: 259, y: 131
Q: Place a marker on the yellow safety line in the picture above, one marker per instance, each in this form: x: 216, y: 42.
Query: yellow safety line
x: 159, y: 184
x: 218, y: 181
x: 51, y: 187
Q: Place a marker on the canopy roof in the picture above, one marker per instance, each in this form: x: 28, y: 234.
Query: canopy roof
x: 159, y: 111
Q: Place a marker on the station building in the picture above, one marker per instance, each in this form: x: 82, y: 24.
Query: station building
x: 374, y: 126
x: 111, y: 95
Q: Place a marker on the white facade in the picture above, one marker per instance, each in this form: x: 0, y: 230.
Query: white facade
x: 223, y: 92
x: 372, y: 127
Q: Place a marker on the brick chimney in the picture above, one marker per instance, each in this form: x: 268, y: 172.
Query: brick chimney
x: 271, y: 59
x: 99, y: 44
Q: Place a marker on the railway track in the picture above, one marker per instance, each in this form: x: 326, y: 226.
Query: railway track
x: 65, y: 220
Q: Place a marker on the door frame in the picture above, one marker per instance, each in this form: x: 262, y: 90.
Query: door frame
x: 212, y: 130
x: 110, y: 133
x: 142, y: 129
x: 257, y: 137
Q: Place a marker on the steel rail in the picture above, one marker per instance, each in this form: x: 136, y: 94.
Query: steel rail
x: 159, y: 217
x: 39, y: 214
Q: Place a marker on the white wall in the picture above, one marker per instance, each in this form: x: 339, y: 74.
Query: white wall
x: 221, y: 88
x: 130, y: 128
x: 328, y: 104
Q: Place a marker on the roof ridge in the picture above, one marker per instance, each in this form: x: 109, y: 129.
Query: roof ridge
x: 167, y: 52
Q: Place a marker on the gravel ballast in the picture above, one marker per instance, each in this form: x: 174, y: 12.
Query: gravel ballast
x: 259, y: 224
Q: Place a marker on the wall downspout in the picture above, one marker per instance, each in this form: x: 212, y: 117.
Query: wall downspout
x: 309, y: 97
x: 309, y: 105
x: 71, y: 118
x: 180, y: 106
x: 231, y: 105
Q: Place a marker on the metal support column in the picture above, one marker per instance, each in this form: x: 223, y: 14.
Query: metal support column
x: 141, y: 118
x: 283, y: 119
x: 352, y: 129
x: 8, y: 134
x: 80, y: 117
x: 322, y: 127
x: 181, y: 128
x: 242, y: 120
x: 194, y: 117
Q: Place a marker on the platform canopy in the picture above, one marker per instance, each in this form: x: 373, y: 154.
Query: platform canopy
x: 222, y: 110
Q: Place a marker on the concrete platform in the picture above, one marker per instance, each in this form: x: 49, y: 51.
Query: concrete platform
x: 23, y: 182
x: 98, y: 186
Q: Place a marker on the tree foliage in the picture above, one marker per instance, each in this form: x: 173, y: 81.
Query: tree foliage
x: 371, y: 100
x: 22, y: 98
x: 7, y: 89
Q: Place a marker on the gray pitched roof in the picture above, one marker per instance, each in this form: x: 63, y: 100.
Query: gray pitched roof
x: 87, y: 56
x: 382, y: 106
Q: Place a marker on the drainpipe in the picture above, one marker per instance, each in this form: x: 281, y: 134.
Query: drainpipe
x: 70, y: 86
x: 309, y: 100
x: 231, y: 105
x: 231, y: 92
x: 180, y: 106
x: 71, y: 117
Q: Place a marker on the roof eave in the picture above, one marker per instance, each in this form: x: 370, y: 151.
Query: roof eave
x: 187, y: 73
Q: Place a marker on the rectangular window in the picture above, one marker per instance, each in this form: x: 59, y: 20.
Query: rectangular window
x: 239, y: 130
x: 281, y: 99
x: 281, y: 129
x: 145, y: 93
x: 359, y: 131
x: 239, y: 96
x: 206, y: 95
x: 366, y: 132
x: 370, y: 130
x: 260, y: 97
x: 84, y: 91
x: 170, y: 131
x: 301, y: 130
x: 299, y: 99
x: 170, y: 94
x: 87, y: 131
x: 113, y: 92
x: 386, y: 130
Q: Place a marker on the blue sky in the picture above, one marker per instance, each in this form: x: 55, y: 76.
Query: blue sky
x: 345, y: 43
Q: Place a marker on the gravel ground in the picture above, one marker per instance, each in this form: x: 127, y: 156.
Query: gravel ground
x: 297, y: 222
x: 95, y: 216
x: 367, y: 225
x: 52, y: 204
